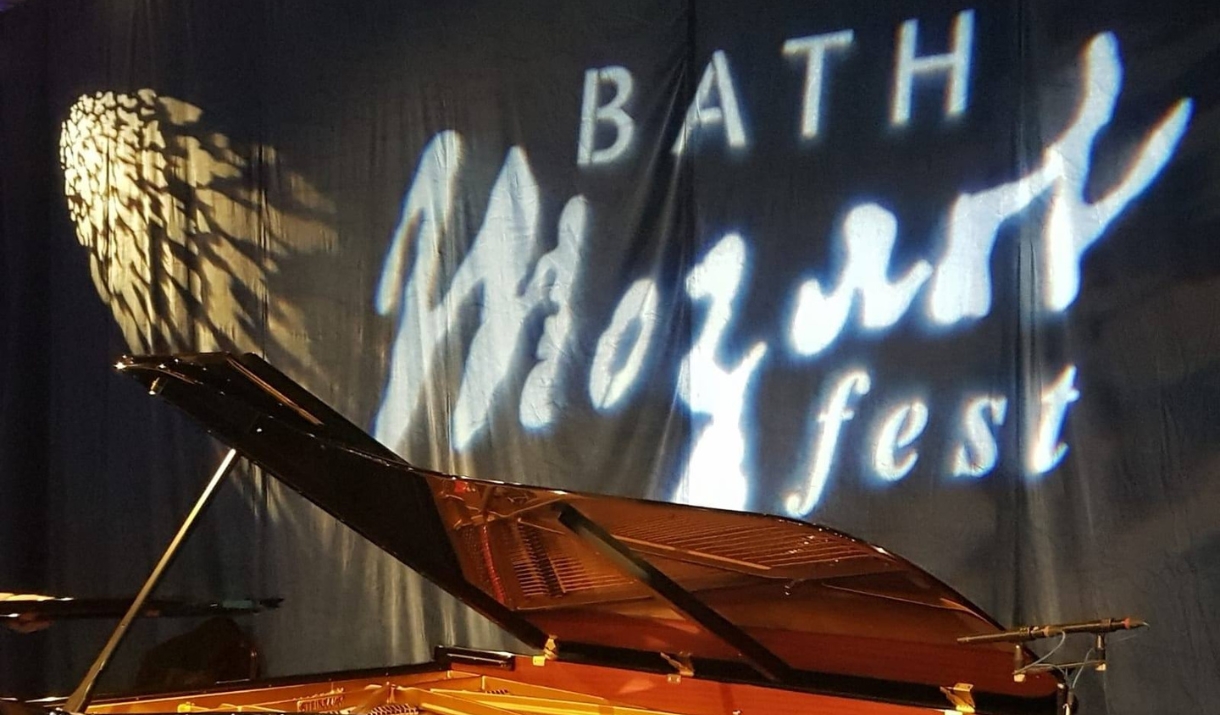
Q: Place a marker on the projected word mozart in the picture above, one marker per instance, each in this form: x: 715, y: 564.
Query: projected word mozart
x: 499, y: 279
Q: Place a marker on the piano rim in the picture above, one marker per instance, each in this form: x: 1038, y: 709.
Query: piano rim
x: 849, y: 687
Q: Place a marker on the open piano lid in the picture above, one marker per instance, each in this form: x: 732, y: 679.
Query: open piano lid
x: 615, y: 581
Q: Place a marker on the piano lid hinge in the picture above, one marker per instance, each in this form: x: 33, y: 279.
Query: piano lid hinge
x: 550, y: 651
x: 959, y: 696
x: 681, y: 663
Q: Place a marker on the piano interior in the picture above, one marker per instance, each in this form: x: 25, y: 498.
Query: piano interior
x: 503, y: 684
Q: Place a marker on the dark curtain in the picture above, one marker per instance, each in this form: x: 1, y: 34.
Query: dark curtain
x: 26, y: 182
x: 961, y: 305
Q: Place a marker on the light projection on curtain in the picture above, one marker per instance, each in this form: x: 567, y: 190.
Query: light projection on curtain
x: 497, y: 263
x: 871, y: 294
x: 181, y: 241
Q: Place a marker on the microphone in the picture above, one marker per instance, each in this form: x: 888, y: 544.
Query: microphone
x: 1033, y: 633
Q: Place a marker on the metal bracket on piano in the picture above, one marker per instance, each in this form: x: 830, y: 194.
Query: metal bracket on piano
x: 1099, y: 629
x: 681, y: 663
x: 959, y: 696
x: 1097, y: 662
x: 550, y: 651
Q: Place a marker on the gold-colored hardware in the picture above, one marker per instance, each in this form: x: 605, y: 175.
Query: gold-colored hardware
x: 959, y: 696
x: 550, y: 651
x: 681, y: 663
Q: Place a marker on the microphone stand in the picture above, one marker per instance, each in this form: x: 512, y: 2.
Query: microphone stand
x: 1094, y: 659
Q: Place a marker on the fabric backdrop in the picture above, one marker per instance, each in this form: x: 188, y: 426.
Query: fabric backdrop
x: 941, y: 275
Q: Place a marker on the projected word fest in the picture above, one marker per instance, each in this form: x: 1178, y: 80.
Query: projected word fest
x: 946, y: 291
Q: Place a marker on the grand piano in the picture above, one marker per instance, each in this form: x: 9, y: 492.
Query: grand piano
x: 631, y: 607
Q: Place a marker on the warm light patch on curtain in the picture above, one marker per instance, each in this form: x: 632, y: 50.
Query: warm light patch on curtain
x: 182, y: 238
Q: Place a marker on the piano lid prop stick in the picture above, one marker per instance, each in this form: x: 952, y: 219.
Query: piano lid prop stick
x: 79, y: 699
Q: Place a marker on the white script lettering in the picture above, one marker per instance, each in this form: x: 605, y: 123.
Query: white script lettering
x: 715, y: 474
x: 495, y: 269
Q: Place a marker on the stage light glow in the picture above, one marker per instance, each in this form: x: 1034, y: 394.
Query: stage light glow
x: 181, y: 245
x: 114, y: 177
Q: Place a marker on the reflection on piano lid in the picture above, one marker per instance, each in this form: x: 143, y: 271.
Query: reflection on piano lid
x: 725, y: 608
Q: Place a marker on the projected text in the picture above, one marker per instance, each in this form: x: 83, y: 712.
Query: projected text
x: 870, y: 294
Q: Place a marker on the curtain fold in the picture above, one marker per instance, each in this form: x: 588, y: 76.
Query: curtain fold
x: 937, y: 274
